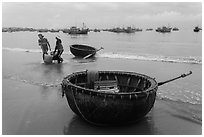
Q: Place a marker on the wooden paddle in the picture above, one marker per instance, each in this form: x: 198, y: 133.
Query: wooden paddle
x: 92, y: 53
x: 182, y: 76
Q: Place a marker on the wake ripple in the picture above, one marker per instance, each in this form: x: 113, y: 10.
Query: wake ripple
x: 170, y: 59
x: 158, y: 58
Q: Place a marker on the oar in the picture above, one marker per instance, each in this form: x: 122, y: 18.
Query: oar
x: 92, y: 53
x: 182, y: 76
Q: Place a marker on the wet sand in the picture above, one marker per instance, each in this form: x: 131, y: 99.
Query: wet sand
x: 36, y: 110
x: 162, y: 120
x: 31, y: 107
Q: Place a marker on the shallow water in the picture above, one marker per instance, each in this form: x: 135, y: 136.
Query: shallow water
x: 32, y: 92
x: 180, y: 49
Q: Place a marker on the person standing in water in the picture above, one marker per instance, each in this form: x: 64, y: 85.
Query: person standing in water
x: 59, y: 49
x: 44, y: 44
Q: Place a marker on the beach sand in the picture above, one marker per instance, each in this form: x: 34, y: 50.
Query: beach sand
x: 163, y: 119
x: 32, y: 102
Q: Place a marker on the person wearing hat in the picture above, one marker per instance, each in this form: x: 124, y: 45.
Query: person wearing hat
x: 44, y: 44
x: 59, y: 49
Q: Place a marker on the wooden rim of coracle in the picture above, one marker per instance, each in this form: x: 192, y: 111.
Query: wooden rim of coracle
x: 152, y: 88
x: 89, y: 48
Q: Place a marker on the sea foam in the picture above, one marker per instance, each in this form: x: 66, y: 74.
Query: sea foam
x: 172, y: 59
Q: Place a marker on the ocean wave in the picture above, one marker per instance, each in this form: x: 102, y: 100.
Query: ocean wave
x: 181, y: 100
x: 27, y: 50
x: 57, y: 84
x: 171, y: 59
x: 43, y: 84
x: 191, y: 111
x: 22, y: 50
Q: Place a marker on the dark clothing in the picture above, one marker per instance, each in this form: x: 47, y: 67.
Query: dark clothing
x: 58, y: 56
x: 59, y: 53
x: 59, y: 49
x: 58, y: 45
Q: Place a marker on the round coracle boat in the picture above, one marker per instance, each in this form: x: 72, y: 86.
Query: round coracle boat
x: 80, y: 50
x: 111, y: 97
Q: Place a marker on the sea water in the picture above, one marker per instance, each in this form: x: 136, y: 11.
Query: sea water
x: 181, y: 48
x: 159, y: 55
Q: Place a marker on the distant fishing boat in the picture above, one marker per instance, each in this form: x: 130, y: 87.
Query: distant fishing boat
x: 150, y: 29
x: 175, y: 29
x: 75, y: 30
x: 96, y: 30
x: 117, y: 30
x: 164, y: 29
x: 111, y: 97
x: 197, y: 29
x: 125, y: 30
x: 129, y: 30
x: 54, y: 30
x: 137, y: 29
x: 65, y: 30
x: 43, y: 30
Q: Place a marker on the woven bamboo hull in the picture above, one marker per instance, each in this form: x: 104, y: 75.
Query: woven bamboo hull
x: 81, y: 50
x: 109, y: 108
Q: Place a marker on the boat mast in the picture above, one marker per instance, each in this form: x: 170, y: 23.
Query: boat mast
x: 84, y: 26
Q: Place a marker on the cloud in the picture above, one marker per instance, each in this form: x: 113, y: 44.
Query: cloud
x: 81, y: 6
x: 100, y: 14
x: 108, y: 6
x: 57, y: 16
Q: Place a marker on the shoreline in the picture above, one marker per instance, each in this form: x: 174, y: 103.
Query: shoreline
x: 31, y: 107
x: 167, y: 117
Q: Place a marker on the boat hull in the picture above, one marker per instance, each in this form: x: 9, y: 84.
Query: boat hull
x: 78, y: 32
x: 108, y: 108
x: 196, y: 30
x: 82, y: 50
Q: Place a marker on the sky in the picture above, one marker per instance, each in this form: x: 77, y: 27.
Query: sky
x: 101, y: 14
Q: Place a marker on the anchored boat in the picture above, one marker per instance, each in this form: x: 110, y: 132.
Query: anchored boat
x: 164, y: 29
x: 74, y: 30
x: 197, y: 29
x: 111, y: 97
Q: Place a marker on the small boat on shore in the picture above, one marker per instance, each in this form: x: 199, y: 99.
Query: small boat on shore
x: 83, y: 51
x: 111, y: 97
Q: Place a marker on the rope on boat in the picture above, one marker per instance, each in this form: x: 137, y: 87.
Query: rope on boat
x: 65, y: 85
x: 78, y: 107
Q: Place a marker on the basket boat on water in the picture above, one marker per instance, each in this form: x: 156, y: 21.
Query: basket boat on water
x: 111, y: 97
x: 81, y: 51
